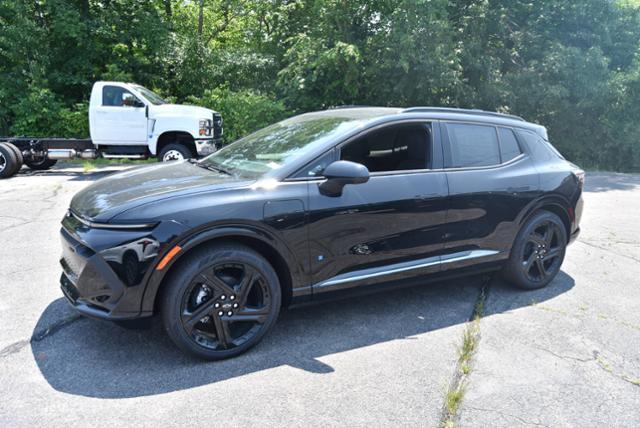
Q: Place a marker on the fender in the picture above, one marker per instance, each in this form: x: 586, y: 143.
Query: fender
x: 153, y: 141
x: 557, y: 200
x: 214, y: 232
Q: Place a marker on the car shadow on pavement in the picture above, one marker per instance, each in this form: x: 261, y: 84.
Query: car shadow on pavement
x: 100, y: 359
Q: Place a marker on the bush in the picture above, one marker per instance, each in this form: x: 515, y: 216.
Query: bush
x: 242, y: 111
x: 42, y: 114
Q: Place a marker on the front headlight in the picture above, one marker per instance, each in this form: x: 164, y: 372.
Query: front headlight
x: 206, y: 125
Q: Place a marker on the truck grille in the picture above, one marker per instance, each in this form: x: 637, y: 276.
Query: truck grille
x: 217, y: 125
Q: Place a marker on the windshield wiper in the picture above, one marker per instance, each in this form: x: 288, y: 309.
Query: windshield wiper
x: 210, y: 167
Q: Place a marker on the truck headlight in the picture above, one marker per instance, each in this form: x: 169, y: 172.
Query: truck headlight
x: 206, y: 125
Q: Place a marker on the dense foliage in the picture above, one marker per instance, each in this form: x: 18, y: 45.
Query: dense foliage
x: 573, y: 66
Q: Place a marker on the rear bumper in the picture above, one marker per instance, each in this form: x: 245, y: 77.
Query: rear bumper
x: 574, y: 235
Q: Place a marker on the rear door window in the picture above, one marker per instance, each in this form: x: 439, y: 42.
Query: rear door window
x: 473, y: 145
x: 509, y: 147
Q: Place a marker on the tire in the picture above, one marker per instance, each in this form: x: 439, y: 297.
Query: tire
x: 220, y: 300
x: 538, y: 252
x: 19, y: 156
x: 41, y: 164
x: 8, y: 161
x: 174, y: 151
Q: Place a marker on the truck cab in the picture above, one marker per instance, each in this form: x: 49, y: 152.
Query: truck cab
x: 130, y: 121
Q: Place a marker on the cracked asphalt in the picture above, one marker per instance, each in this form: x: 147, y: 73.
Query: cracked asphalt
x: 567, y: 355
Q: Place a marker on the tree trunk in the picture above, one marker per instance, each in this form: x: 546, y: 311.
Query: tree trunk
x: 200, y: 17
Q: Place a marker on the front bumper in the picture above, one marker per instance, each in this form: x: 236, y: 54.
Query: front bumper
x: 92, y: 286
x: 105, y: 271
x: 206, y: 146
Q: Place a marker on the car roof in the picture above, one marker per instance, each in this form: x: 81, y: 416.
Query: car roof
x: 385, y: 114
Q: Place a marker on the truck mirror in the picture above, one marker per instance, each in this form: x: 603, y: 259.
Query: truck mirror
x: 129, y: 100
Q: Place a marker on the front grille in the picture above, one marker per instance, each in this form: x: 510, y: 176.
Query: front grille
x: 69, y: 270
x: 68, y: 289
x: 217, y: 125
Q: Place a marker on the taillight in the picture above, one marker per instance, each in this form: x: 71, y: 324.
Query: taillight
x: 580, y: 176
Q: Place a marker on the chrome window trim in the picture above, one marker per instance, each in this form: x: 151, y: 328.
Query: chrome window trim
x: 360, y: 134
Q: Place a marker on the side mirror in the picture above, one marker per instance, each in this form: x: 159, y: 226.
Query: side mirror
x: 341, y: 173
x: 129, y: 100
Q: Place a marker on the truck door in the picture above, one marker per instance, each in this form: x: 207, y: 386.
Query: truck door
x: 119, y: 119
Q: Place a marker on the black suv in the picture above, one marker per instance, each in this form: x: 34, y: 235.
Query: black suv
x: 315, y: 206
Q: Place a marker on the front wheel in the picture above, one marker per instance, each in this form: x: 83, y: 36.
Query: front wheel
x: 174, y: 151
x: 538, y: 252
x: 220, y: 301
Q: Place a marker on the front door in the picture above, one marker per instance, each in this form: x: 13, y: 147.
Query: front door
x: 120, y: 119
x: 388, y: 228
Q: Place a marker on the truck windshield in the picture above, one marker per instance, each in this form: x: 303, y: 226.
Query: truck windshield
x: 151, y: 96
x: 277, y: 145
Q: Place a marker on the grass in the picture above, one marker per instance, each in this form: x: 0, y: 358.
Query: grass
x: 455, y: 392
x: 91, y: 164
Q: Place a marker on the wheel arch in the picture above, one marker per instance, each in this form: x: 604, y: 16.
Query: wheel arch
x: 554, y: 204
x: 180, y: 137
x: 263, y: 244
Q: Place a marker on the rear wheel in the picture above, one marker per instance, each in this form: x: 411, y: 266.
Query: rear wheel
x: 220, y: 301
x: 174, y: 151
x: 538, y: 252
x: 19, y: 157
x: 8, y: 161
x: 41, y: 164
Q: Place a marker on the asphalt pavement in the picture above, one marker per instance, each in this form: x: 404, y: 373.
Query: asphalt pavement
x: 567, y: 355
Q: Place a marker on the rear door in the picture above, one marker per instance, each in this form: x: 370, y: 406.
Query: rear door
x: 491, y: 180
x: 120, y: 119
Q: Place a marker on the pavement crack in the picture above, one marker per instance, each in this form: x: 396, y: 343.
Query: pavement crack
x: 600, y: 362
x: 53, y: 328
x: 456, y: 389
x: 14, y: 348
x: 564, y: 357
x: 609, y: 250
x: 39, y: 335
x: 508, y: 415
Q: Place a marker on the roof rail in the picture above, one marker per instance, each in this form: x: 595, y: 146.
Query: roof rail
x: 348, y: 106
x: 460, y: 111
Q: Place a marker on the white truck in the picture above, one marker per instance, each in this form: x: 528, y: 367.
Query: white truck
x: 126, y: 120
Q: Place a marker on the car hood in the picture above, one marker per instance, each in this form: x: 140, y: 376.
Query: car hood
x: 182, y: 110
x: 131, y: 188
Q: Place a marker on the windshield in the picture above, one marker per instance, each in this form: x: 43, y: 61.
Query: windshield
x: 277, y: 145
x: 153, y: 98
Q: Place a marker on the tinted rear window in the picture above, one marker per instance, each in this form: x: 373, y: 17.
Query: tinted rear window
x: 541, y: 149
x: 473, y: 145
x: 509, y: 147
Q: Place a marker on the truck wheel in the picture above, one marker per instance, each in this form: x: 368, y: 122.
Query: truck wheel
x: 19, y: 156
x: 41, y: 164
x: 174, y: 151
x: 8, y: 161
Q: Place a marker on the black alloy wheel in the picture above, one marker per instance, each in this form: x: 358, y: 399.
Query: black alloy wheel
x: 221, y: 301
x: 538, y: 252
x: 542, y: 251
